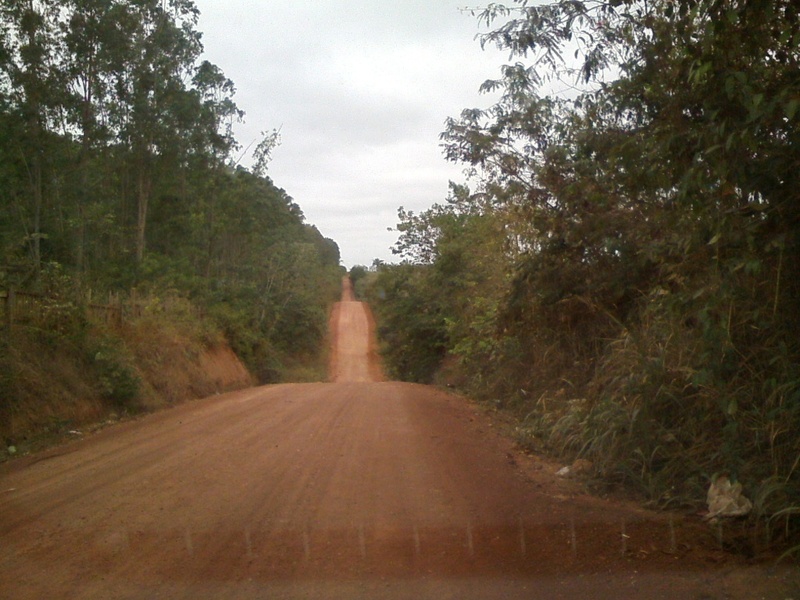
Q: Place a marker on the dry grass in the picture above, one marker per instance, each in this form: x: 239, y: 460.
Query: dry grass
x: 663, y: 404
x: 57, y: 379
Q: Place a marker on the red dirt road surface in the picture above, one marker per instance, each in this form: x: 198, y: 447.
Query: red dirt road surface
x: 354, y: 356
x: 351, y: 489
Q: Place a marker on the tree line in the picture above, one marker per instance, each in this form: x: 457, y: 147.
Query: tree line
x: 119, y: 170
x: 621, y: 266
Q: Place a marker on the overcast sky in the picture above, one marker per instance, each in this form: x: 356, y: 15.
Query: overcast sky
x: 360, y: 90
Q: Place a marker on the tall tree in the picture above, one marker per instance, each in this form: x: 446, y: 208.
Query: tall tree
x: 35, y: 86
x: 164, y: 47
x: 96, y: 38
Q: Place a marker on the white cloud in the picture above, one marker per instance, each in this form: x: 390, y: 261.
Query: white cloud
x: 361, y: 90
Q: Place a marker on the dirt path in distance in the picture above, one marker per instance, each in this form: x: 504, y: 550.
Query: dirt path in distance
x: 352, y: 489
x: 354, y: 356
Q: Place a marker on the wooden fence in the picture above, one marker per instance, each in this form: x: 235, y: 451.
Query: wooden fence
x: 39, y: 310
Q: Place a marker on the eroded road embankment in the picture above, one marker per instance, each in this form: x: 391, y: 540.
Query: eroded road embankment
x: 349, y: 489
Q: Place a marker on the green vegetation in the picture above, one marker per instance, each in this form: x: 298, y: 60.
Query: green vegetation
x: 358, y: 276
x: 119, y: 175
x: 620, y: 271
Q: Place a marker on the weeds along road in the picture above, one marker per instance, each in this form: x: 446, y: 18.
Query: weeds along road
x: 352, y: 489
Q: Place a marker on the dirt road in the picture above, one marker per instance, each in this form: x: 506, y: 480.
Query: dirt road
x: 351, y: 489
x: 354, y: 357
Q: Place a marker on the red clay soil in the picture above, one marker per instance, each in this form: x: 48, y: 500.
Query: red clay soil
x: 351, y: 489
x: 354, y: 355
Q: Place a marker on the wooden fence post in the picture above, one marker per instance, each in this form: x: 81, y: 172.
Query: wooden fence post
x: 8, y: 300
x: 120, y: 310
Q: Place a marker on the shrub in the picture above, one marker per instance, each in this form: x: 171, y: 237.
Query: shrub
x: 114, y: 366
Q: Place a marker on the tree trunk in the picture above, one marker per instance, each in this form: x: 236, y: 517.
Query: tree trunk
x: 36, y: 176
x: 144, y: 185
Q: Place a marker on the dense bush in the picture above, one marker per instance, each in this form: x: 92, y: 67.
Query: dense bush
x: 640, y: 307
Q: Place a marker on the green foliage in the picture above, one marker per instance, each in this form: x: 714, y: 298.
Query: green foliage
x: 117, y: 170
x: 640, y: 309
x: 426, y: 306
x: 412, y: 331
x: 116, y: 374
x: 359, y: 275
